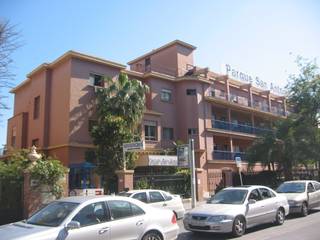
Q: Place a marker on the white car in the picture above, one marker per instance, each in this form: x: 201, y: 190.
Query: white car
x: 302, y: 195
x: 235, y: 209
x: 95, y: 218
x: 158, y: 198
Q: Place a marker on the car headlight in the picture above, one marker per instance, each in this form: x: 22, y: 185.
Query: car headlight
x: 217, y: 218
x: 187, y: 216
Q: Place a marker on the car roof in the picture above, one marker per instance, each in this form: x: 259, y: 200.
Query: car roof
x: 247, y: 187
x: 301, y: 181
x: 82, y: 199
x: 144, y: 190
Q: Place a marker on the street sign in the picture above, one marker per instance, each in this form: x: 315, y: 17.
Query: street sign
x: 183, y: 155
x: 163, y: 160
x: 238, y: 161
x: 133, y: 146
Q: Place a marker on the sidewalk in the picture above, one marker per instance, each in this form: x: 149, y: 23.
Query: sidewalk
x: 187, y: 203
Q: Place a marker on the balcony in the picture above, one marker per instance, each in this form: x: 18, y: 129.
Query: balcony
x: 218, y: 94
x: 277, y: 110
x: 227, y: 155
x: 234, y: 127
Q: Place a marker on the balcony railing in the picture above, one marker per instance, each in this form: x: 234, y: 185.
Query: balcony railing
x: 227, y: 155
x: 234, y: 127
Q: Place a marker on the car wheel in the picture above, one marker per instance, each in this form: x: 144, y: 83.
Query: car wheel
x: 152, y: 236
x: 280, y: 217
x: 304, y: 209
x: 239, y: 226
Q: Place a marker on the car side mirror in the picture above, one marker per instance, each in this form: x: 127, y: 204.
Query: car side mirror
x: 73, y: 225
x: 252, y: 201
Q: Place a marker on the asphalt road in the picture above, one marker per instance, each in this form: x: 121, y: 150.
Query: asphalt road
x: 294, y: 228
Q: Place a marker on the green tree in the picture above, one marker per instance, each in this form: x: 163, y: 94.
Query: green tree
x: 119, y: 110
x: 296, y: 139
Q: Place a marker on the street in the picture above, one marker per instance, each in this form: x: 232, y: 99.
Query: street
x: 294, y: 228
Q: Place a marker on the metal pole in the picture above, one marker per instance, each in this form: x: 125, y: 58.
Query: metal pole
x: 124, y: 158
x: 193, y: 174
x: 240, y: 175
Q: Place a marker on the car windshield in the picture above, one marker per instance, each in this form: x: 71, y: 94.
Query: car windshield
x: 292, y: 187
x: 229, y: 196
x: 53, y: 214
x: 124, y: 194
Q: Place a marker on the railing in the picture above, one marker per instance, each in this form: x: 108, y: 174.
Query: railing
x: 277, y: 110
x: 234, y: 127
x: 227, y: 155
x: 218, y: 94
x: 262, y: 106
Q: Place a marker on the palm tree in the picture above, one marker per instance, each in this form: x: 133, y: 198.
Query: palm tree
x: 124, y: 98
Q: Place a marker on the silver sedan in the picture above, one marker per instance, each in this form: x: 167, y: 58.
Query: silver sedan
x: 96, y: 218
x: 302, y: 195
x: 235, y: 209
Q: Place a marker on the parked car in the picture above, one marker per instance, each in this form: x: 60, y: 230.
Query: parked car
x: 96, y: 218
x: 234, y: 209
x: 158, y: 198
x: 302, y: 195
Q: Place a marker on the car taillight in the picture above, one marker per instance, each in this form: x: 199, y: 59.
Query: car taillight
x: 174, y: 219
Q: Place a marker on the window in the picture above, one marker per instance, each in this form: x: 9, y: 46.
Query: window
x: 96, y: 80
x: 310, y: 187
x: 155, y: 197
x: 265, y: 193
x: 147, y: 64
x: 36, y: 107
x: 91, y: 214
x: 167, y: 133
x: 13, y: 136
x: 123, y: 209
x: 141, y: 196
x: 255, y: 195
x: 166, y: 95
x: 150, y: 130
x: 136, y: 210
x: 166, y: 196
x: 35, y: 142
x: 191, y: 92
x: 192, y: 131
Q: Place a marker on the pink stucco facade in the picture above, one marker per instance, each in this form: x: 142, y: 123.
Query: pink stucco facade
x: 224, y: 116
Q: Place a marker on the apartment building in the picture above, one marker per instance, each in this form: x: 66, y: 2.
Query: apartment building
x: 54, y: 109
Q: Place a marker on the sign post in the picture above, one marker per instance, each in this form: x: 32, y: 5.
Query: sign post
x: 131, y: 147
x: 193, y: 173
x: 183, y: 155
x: 238, y: 162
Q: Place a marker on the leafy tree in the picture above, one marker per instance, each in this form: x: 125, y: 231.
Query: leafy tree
x: 119, y: 111
x: 296, y: 139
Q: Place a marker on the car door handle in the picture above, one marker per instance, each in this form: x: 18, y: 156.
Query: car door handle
x: 139, y: 223
x: 164, y: 204
x: 103, y: 230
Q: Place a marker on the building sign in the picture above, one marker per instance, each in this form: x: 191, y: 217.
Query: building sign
x: 163, y: 160
x: 183, y: 155
x: 254, y: 80
x: 133, y: 146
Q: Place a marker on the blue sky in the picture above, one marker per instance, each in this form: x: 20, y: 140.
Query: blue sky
x: 253, y: 36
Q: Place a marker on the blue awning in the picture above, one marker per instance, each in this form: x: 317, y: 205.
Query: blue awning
x: 85, y: 165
